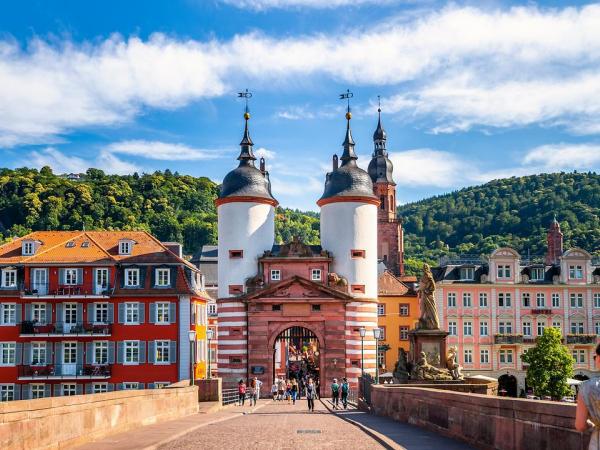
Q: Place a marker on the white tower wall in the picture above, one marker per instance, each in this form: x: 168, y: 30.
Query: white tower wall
x: 347, y: 226
x: 247, y: 226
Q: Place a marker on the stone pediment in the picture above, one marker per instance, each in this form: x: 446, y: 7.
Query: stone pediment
x: 297, y: 288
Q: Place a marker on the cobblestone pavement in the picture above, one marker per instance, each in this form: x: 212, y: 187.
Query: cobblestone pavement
x: 282, y: 426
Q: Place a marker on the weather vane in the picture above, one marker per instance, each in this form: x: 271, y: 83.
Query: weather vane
x: 347, y: 96
x: 245, y: 95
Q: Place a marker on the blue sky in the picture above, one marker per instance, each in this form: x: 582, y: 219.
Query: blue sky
x: 471, y: 91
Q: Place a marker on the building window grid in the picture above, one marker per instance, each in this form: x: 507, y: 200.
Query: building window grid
x: 483, y: 328
x: 9, y: 278
x: 132, y: 352
x: 526, y: 300
x: 132, y: 313
x: 576, y: 272
x: 467, y: 329
x: 555, y: 300
x: 70, y: 277
x: 506, y: 356
x: 451, y: 300
x: 597, y: 300
x: 37, y: 391
x: 38, y: 354
x: 7, y: 392
x: 503, y: 271
x: 540, y: 300
x: 275, y: 274
x: 101, y: 352
x: 484, y: 356
x: 576, y: 300
x: 579, y: 356
x: 468, y: 356
x: 452, y: 328
x: 163, y: 277
x: 577, y: 327
x: 8, y: 351
x: 162, y: 352
x: 541, y: 326
x: 315, y: 274
x: 38, y: 313
x: 505, y: 327
x: 9, y: 314
x: 101, y: 312
x: 404, y: 309
x: 483, y: 300
x: 162, y: 312
x: 504, y: 300
x: 132, y: 277
x: 467, y: 300
x: 526, y: 328
x: 404, y: 333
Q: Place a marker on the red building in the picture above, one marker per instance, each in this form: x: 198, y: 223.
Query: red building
x: 89, y: 312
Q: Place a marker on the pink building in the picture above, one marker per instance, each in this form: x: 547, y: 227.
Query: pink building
x: 494, y: 308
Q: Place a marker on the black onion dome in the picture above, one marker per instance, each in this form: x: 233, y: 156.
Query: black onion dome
x: 246, y: 180
x: 380, y: 134
x: 348, y: 180
x: 381, y: 169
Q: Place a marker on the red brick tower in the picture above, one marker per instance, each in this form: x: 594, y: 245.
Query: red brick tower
x: 555, y: 243
x: 390, y: 241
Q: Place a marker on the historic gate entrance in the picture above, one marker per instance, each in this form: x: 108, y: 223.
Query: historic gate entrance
x: 296, y: 355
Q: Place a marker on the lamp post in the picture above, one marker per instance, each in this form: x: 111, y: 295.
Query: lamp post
x: 363, y: 332
x: 192, y: 337
x: 209, y: 336
x: 377, y: 336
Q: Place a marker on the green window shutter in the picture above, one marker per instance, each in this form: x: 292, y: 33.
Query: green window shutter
x: 142, y: 312
x: 152, y: 318
x: 151, y: 352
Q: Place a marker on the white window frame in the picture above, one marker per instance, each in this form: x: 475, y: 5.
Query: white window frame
x: 212, y: 309
x: 506, y: 300
x: 9, y: 278
x: 68, y: 389
x: 467, y: 274
x: 275, y: 275
x: 132, y: 309
x: 8, y: 353
x: 99, y: 309
x: 69, y: 352
x: 131, y: 386
x: 540, y: 300
x: 37, y: 390
x: 555, y: 300
x: 540, y: 327
x: 596, y: 299
x: 577, y: 327
x: 100, y: 352
x: 7, y: 392
x: 381, y: 309
x: 99, y: 388
x: 505, y: 327
x: 576, y: 299
x: 163, y: 277
x: 315, y: 274
x: 467, y: 300
x: 483, y: 300
x: 71, y: 277
x: 132, y: 275
x: 134, y: 349
x: 483, y: 328
x: 597, y: 328
x: 468, y: 356
x: 451, y: 299
x: 9, y: 314
x: 39, y: 354
x: 527, y: 329
x: 484, y: 356
x: 28, y: 248
x: 503, y: 271
x: 125, y: 247
x: 576, y: 272
x: 526, y: 300
x: 165, y: 350
x: 38, y: 312
x: 506, y: 356
x: 539, y: 274
x: 557, y: 325
x: 467, y: 328
x: 579, y: 356
x: 452, y: 328
x: 163, y: 311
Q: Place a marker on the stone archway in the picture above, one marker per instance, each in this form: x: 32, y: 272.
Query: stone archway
x: 507, y: 385
x: 313, y: 329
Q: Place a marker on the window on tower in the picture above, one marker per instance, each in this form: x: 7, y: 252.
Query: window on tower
x: 358, y: 253
x: 358, y: 288
x: 236, y: 254
x: 382, y: 202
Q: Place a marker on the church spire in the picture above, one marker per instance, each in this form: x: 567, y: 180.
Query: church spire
x: 246, y: 153
x: 380, y: 136
x: 349, y: 156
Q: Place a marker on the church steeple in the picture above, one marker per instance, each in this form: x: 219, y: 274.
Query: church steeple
x: 554, y: 239
x: 246, y: 153
x: 380, y: 136
x: 349, y: 156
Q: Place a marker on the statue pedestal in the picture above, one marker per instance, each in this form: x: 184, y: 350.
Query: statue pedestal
x: 432, y: 342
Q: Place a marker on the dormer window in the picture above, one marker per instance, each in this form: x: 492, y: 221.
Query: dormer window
x: 70, y: 244
x: 467, y: 273
x: 537, y: 274
x: 275, y: 275
x: 132, y: 277
x: 503, y: 271
x: 28, y: 248
x: 576, y: 272
x: 125, y: 247
x: 163, y: 277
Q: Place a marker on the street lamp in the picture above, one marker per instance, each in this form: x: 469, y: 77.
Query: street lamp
x: 192, y: 337
x: 209, y: 336
x: 377, y: 336
x: 363, y: 332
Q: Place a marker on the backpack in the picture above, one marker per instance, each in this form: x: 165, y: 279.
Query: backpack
x: 335, y: 387
x: 345, y: 388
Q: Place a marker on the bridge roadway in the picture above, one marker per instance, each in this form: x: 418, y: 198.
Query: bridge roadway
x: 277, y: 425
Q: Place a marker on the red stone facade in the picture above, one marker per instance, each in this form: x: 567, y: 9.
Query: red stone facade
x: 390, y: 239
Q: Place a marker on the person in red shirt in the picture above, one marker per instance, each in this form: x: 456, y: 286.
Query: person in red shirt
x: 241, y: 392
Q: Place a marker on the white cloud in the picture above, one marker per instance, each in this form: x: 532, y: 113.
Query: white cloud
x: 264, y: 153
x: 510, y: 59
x: 63, y: 163
x: 162, y: 151
x: 559, y: 157
x: 260, y: 5
x: 428, y: 167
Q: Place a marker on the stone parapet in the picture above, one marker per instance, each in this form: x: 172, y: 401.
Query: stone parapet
x: 483, y: 421
x: 63, y: 422
x: 210, y: 390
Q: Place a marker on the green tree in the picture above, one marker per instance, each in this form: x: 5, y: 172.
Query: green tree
x: 550, y: 364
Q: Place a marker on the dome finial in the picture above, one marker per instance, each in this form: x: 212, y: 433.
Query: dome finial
x: 348, y: 144
x: 246, y: 154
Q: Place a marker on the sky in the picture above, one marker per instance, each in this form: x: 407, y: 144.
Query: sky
x: 470, y: 90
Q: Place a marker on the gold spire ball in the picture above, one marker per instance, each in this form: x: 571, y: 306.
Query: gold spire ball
x: 246, y: 115
x: 348, y: 115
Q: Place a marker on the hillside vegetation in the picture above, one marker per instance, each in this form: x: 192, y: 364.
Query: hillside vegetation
x: 173, y: 207
x: 513, y: 211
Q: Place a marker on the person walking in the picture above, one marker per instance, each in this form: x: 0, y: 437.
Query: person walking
x: 335, y: 394
x: 345, y: 389
x: 274, y: 390
x: 288, y: 391
x: 588, y: 406
x: 257, y: 386
x: 241, y: 393
x: 294, y: 390
x: 280, y: 389
x: 252, y: 392
x: 311, y: 393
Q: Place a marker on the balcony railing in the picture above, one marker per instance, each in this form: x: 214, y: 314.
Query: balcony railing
x: 63, y: 371
x: 30, y: 327
x: 508, y: 339
x: 581, y: 338
x: 33, y: 289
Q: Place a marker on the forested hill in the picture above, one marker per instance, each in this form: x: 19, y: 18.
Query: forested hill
x: 173, y: 207
x: 512, y: 211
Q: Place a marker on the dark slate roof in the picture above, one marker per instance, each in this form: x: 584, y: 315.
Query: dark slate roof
x: 206, y: 260
x: 276, y: 250
x: 348, y: 180
x: 246, y: 180
x: 381, y: 169
x: 452, y: 273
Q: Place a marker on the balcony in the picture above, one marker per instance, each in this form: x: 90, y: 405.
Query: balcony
x: 44, y: 290
x: 581, y: 338
x: 64, y: 371
x: 508, y: 339
x: 31, y: 328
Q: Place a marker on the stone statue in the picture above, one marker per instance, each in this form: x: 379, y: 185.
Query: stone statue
x: 335, y: 280
x: 425, y: 371
x: 429, y: 319
x: 452, y: 364
x: 401, y: 370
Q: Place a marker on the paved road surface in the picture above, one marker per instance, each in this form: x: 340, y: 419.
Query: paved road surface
x: 282, y: 426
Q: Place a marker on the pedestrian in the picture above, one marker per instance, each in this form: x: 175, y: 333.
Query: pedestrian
x: 588, y: 406
x: 288, y: 391
x: 280, y: 389
x: 345, y: 390
x: 335, y: 394
x: 274, y: 390
x: 252, y: 392
x: 257, y: 386
x: 311, y: 393
x: 241, y: 392
x: 294, y: 390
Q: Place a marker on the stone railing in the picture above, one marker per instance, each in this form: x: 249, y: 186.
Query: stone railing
x: 63, y: 422
x: 486, y: 422
x: 581, y: 338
